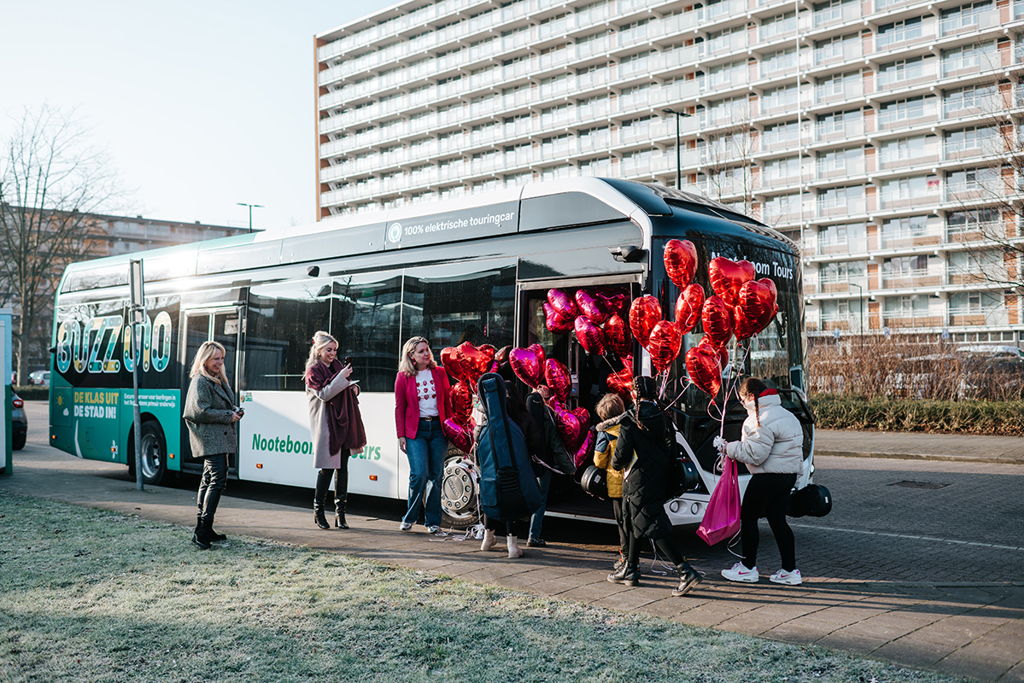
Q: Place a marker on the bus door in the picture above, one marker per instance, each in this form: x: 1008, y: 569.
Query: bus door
x: 223, y: 325
x: 589, y: 372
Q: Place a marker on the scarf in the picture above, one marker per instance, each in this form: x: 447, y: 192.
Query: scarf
x: 344, y: 422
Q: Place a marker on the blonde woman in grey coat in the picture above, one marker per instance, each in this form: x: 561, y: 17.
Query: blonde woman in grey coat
x: 335, y: 425
x: 210, y: 414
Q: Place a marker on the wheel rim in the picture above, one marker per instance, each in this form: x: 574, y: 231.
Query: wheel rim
x: 459, y: 491
x: 152, y: 455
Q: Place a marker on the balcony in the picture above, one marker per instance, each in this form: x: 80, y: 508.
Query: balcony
x: 838, y: 247
x: 972, y: 64
x: 905, y: 319
x: 843, y: 284
x: 833, y: 170
x: 830, y: 208
x: 723, y: 45
x: 911, y: 279
x: 965, y: 22
x: 900, y: 240
x: 847, y: 91
x: 721, y: 10
x: 840, y: 131
x: 891, y: 161
x: 976, y: 317
x: 974, y: 232
x: 974, y: 191
x: 844, y: 322
x: 895, y: 201
x: 837, y: 53
x: 841, y: 14
x: 895, y: 79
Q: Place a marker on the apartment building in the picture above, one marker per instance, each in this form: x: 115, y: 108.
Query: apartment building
x: 880, y: 134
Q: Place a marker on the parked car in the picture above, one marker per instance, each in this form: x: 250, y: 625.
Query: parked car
x: 19, y: 422
x: 40, y: 377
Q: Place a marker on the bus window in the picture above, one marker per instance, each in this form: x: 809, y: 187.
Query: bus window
x: 365, y: 320
x: 452, y: 304
x: 281, y: 323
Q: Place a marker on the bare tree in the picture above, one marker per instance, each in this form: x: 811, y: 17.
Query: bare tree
x: 988, y: 188
x: 727, y: 161
x: 51, y: 179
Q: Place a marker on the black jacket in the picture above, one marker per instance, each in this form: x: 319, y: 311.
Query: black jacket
x: 646, y: 486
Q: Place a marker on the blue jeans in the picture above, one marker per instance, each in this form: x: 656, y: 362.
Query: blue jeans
x: 426, y: 455
x: 537, y: 519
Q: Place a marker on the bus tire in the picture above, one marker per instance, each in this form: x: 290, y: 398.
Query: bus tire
x: 154, y: 453
x: 460, y: 493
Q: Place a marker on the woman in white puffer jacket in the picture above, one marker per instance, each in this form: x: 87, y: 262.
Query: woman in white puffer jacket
x: 772, y: 449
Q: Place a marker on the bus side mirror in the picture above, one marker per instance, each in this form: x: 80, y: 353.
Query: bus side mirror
x: 628, y: 254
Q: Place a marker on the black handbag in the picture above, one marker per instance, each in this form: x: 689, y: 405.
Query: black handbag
x: 595, y: 482
x: 813, y: 500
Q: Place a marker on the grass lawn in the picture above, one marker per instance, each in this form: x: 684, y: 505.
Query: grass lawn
x: 88, y: 595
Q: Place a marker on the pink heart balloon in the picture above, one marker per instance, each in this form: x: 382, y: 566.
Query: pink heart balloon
x: 556, y: 376
x: 555, y: 322
x: 585, y: 450
x: 591, y: 306
x: 569, y: 428
x: 527, y: 364
x: 589, y: 335
x: 460, y: 435
x: 562, y: 303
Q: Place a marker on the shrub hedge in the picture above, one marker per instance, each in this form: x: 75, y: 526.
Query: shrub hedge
x: 30, y: 392
x: 1001, y: 418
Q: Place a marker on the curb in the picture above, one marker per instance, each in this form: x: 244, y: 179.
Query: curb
x: 921, y: 456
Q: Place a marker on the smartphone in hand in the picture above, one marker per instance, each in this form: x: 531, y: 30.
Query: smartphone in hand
x: 347, y: 361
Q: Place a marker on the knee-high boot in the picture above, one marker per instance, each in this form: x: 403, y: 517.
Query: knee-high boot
x: 323, y: 482
x: 339, y: 511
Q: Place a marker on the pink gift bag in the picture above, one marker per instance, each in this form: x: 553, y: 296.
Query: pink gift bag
x: 722, y: 518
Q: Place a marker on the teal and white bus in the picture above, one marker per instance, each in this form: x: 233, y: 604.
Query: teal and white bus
x: 472, y: 269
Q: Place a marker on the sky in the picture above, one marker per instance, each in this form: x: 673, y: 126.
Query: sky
x: 199, y: 104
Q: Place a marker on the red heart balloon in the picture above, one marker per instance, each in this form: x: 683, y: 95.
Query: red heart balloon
x: 680, y: 261
x: 555, y: 322
x: 621, y: 382
x: 728, y: 276
x: 702, y: 365
x: 501, y: 357
x: 562, y: 303
x: 664, y: 344
x: 462, y: 402
x: 616, y: 333
x: 717, y: 319
x: 755, y: 309
x: 591, y: 306
x: 476, y: 361
x: 585, y: 450
x: 688, y: 307
x: 614, y: 299
x: 644, y: 314
x: 723, y: 353
x: 460, y: 435
x: 556, y: 376
x: 589, y: 335
x: 452, y: 362
x: 527, y: 364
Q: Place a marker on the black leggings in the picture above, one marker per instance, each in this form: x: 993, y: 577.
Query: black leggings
x: 767, y: 495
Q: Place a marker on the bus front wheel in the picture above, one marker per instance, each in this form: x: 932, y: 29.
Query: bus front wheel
x: 460, y: 493
x: 154, y: 453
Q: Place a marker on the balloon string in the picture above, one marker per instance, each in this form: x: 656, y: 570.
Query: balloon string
x: 685, y: 387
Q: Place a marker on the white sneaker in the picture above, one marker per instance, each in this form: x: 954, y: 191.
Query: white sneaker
x: 433, y: 529
x: 405, y: 526
x: 789, y: 578
x: 739, y: 572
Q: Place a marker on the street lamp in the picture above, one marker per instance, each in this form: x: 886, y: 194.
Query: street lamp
x: 679, y: 159
x: 251, y: 207
x: 861, y: 297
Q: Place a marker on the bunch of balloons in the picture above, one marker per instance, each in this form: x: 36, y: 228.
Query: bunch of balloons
x: 533, y: 368
x: 466, y: 363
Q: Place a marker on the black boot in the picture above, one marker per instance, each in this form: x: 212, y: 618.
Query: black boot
x: 214, y: 536
x: 201, y: 536
x: 688, y: 579
x: 628, y: 575
x: 323, y: 481
x: 339, y: 511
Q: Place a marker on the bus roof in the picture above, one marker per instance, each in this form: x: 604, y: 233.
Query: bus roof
x: 545, y: 205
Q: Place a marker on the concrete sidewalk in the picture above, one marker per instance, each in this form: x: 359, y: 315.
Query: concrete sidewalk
x: 920, y: 446
x: 974, y: 630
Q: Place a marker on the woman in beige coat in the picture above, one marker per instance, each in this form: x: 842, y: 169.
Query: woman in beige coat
x: 335, y: 425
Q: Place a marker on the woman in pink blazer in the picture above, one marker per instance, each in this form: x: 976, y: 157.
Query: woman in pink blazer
x: 422, y: 403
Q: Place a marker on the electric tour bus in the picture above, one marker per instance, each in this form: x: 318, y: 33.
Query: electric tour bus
x: 474, y: 269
